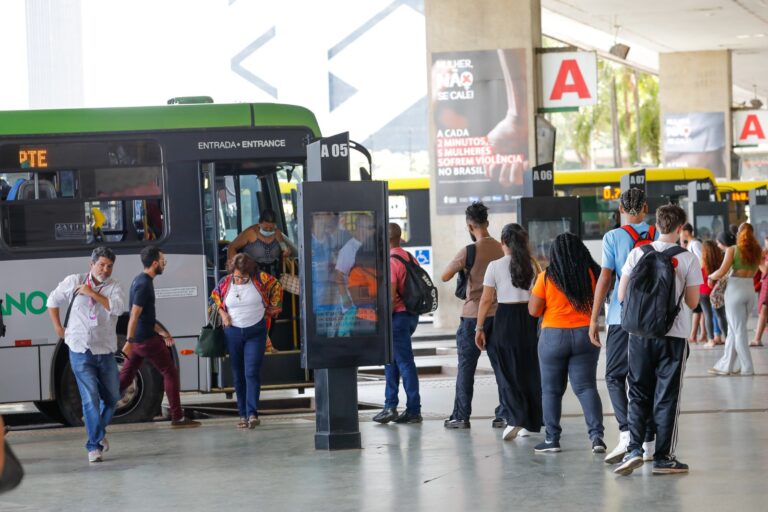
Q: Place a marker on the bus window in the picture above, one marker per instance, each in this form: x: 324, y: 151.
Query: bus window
x: 288, y: 180
x: 81, y: 193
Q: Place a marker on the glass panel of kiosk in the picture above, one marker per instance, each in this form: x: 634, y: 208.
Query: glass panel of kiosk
x: 345, y: 274
x: 547, y: 217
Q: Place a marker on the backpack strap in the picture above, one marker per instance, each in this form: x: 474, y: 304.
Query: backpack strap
x: 636, y: 237
x: 631, y: 231
x: 674, y: 251
x: 470, y: 261
x: 647, y: 248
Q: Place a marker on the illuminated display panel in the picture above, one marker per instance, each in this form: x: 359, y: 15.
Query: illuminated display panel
x: 344, y: 274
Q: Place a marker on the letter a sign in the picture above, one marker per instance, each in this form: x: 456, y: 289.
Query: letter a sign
x: 750, y: 127
x: 568, y: 79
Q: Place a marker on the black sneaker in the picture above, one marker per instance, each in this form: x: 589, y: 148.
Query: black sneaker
x: 498, y: 423
x: 631, y: 461
x: 669, y: 466
x: 547, y: 446
x: 407, y: 417
x: 598, y: 446
x: 452, y: 423
x: 386, y: 415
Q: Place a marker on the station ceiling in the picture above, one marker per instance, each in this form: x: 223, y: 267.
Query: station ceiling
x: 684, y: 25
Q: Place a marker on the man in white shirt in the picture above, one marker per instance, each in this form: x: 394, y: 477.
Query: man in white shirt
x: 656, y: 365
x: 365, y: 229
x: 94, y: 301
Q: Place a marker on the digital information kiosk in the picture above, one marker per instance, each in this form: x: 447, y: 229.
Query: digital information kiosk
x: 543, y: 215
x: 345, y: 286
x: 707, y: 217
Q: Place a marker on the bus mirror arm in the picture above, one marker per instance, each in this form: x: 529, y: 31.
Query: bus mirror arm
x: 363, y: 172
x: 2, y: 323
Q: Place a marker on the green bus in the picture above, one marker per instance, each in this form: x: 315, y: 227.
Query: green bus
x: 185, y: 177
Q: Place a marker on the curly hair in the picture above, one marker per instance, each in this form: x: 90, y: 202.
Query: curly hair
x: 749, y: 248
x: 711, y: 256
x: 521, y: 270
x: 477, y: 214
x: 569, y: 270
x: 243, y: 263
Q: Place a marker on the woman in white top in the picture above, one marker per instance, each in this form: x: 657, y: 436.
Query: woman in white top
x: 513, y: 342
x: 247, y: 299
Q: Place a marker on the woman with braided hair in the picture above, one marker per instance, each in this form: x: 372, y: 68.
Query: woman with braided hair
x: 563, y: 295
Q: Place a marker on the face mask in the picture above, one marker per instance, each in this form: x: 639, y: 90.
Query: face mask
x: 266, y: 233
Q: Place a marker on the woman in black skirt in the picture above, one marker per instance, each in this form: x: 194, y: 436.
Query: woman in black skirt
x: 513, y: 341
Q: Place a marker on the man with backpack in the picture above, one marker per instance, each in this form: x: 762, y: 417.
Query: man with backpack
x: 404, y: 321
x: 659, y: 287
x: 472, y: 260
x: 617, y: 244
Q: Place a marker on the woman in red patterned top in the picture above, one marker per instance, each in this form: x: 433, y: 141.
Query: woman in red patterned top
x: 247, y: 300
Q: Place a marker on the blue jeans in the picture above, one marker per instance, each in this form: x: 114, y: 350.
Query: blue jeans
x: 99, y: 386
x: 403, y: 326
x: 465, y: 378
x: 246, y: 347
x: 564, y: 353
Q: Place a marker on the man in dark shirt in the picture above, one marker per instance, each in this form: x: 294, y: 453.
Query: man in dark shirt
x: 149, y: 339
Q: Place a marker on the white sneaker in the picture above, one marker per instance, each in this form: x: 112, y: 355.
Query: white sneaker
x: 649, y: 449
x: 94, y: 456
x: 617, y: 454
x: 510, y: 432
x: 524, y: 432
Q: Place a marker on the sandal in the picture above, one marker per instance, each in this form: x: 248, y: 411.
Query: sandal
x: 253, y: 421
x: 755, y: 343
x: 243, y: 423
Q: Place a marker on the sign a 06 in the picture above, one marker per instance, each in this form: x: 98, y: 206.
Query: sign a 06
x: 33, y: 158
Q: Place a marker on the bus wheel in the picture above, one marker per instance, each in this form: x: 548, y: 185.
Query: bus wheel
x: 51, y: 409
x: 141, y: 401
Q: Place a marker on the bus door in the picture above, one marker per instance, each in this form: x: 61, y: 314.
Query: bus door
x: 234, y: 195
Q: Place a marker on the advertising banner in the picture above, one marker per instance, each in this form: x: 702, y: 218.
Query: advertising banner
x: 480, y: 110
x: 568, y: 79
x: 695, y: 139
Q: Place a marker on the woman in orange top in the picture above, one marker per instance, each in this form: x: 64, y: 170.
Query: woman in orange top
x: 563, y: 296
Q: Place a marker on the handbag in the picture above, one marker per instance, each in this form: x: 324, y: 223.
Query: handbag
x: 12, y: 470
x: 717, y: 295
x: 211, y: 342
x: 462, y: 278
x: 289, y: 279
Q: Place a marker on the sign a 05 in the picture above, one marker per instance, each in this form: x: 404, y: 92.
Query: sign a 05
x: 749, y: 127
x: 568, y: 79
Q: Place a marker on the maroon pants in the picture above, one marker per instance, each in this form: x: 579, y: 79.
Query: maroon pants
x: 158, y: 354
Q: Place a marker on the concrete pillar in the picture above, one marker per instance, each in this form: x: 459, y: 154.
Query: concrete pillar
x: 698, y: 82
x: 458, y: 25
x: 55, y: 53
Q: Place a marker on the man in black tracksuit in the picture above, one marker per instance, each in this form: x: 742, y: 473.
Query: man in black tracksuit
x: 660, y: 362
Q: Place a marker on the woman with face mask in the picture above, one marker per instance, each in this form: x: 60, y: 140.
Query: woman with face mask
x: 264, y: 243
x: 267, y: 246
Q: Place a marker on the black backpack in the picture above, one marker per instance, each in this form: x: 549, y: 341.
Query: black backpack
x: 462, y: 278
x: 651, y: 304
x: 420, y: 294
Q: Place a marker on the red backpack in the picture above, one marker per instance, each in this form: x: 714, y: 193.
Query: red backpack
x: 638, y: 239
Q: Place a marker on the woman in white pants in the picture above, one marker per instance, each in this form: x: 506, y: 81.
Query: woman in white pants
x: 743, y: 259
